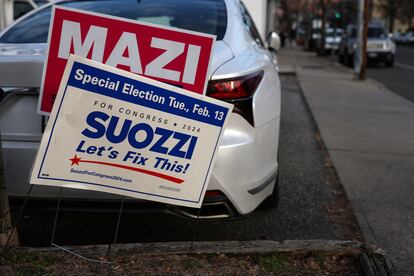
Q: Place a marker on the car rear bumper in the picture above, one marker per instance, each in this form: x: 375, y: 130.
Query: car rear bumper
x: 330, y: 46
x: 380, y: 56
x: 213, y: 208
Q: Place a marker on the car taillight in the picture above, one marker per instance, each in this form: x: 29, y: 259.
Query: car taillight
x: 235, y: 88
x: 213, y: 193
x: 238, y: 91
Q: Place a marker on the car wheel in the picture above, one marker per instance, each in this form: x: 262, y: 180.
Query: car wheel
x: 272, y: 201
x: 390, y: 63
x: 341, y: 58
x: 349, y: 60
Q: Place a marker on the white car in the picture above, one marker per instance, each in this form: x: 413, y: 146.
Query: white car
x: 333, y: 38
x: 380, y: 47
x: 243, y: 72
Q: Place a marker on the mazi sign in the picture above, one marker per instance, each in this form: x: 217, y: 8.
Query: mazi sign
x: 174, y: 56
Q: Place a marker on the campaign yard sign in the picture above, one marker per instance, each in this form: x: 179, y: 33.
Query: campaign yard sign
x: 117, y: 132
x: 175, y: 56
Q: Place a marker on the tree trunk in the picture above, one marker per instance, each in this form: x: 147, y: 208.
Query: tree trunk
x: 5, y: 218
x: 391, y: 6
x: 323, y: 27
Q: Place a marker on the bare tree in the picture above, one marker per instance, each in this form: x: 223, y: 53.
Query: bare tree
x: 405, y: 12
x: 325, y: 7
x: 397, y: 9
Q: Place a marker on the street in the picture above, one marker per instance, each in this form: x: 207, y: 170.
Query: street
x: 398, y: 79
x: 312, y: 203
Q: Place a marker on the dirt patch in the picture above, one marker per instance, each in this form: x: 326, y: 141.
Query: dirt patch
x: 340, y: 211
x: 129, y: 263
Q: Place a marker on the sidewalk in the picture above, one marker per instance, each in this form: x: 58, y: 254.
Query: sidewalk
x: 369, y: 134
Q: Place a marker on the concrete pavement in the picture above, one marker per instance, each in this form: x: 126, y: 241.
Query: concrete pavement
x: 369, y: 133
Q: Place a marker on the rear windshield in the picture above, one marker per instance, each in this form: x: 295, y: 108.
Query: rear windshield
x: 373, y: 32
x: 332, y: 32
x: 376, y: 33
x: 206, y: 16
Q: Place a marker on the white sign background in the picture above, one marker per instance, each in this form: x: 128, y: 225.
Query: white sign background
x: 74, y: 154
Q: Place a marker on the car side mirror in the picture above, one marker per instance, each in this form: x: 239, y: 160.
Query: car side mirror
x: 273, y: 41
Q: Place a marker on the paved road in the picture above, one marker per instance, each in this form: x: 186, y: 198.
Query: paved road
x: 307, y: 200
x: 400, y: 78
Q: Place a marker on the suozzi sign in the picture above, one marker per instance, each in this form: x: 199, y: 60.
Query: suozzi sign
x: 118, y: 132
x: 170, y: 55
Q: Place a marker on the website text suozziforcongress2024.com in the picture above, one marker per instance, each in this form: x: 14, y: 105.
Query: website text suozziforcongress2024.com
x: 101, y: 175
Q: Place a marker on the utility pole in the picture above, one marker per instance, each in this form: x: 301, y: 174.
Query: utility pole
x: 361, y: 53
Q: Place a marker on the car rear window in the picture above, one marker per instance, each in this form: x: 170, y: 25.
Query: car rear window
x: 206, y: 16
x: 376, y: 33
x: 373, y: 32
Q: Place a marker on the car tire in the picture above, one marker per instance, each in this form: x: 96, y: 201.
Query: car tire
x: 272, y: 201
x: 390, y: 63
x: 341, y: 58
x: 349, y: 60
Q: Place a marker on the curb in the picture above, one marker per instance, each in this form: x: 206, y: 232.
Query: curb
x: 287, y: 70
x: 370, y: 266
x: 384, y: 88
x: 350, y: 194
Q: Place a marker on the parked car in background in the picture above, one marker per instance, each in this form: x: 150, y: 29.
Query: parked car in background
x: 333, y: 38
x: 409, y: 38
x: 398, y: 37
x: 243, y: 71
x: 406, y: 38
x: 10, y: 10
x: 380, y: 47
x: 300, y: 36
